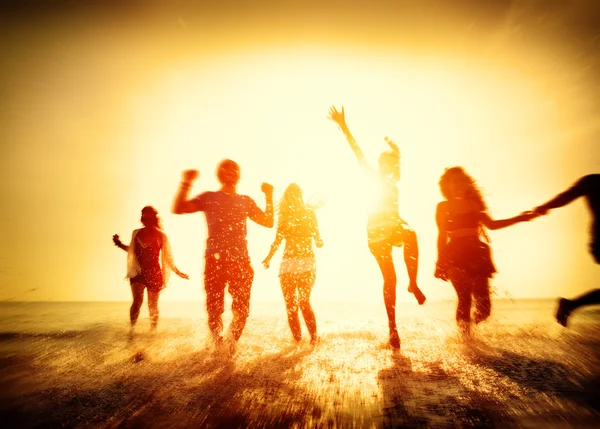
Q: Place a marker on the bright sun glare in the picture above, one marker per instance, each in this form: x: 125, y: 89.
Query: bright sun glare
x: 269, y: 114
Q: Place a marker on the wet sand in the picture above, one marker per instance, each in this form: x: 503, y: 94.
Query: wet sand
x: 526, y: 372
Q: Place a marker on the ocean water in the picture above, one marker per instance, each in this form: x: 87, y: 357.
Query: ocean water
x: 76, y: 365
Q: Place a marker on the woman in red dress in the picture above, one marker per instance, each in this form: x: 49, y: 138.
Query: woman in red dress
x: 149, y: 261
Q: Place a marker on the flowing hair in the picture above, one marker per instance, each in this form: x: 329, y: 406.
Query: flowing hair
x: 292, y: 211
x: 473, y: 192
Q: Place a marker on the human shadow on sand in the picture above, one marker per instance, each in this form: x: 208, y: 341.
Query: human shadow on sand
x: 432, y: 398
x: 199, y: 389
x: 541, y: 375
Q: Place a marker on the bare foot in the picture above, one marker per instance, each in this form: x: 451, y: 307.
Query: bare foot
x: 394, y: 338
x: 414, y: 289
x: 563, y: 311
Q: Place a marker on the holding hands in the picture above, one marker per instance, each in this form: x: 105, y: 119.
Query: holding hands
x: 528, y: 215
x: 541, y: 210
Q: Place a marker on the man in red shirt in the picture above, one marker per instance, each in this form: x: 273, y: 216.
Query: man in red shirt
x: 227, y: 262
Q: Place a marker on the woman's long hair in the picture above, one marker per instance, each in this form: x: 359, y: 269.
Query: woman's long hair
x: 292, y: 210
x: 473, y: 192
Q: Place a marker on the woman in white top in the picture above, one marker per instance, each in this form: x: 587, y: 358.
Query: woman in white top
x: 297, y: 224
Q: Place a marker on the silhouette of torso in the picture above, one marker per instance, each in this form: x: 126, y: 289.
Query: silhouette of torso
x: 384, y: 213
x: 299, y: 231
x: 226, y: 222
x: 147, y: 252
x: 466, y: 220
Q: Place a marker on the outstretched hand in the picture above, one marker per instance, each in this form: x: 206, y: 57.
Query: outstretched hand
x: 392, y: 145
x: 267, y: 188
x: 337, y: 116
x: 527, y: 216
x: 116, y: 240
x: 183, y: 275
x: 541, y: 210
x: 189, y: 176
x: 266, y: 263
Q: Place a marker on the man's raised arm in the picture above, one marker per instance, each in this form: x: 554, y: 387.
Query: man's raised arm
x: 181, y: 203
x: 265, y: 218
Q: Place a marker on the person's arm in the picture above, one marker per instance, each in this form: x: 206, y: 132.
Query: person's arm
x: 564, y: 198
x: 276, y: 243
x: 119, y: 243
x: 340, y: 119
x: 168, y: 257
x: 265, y: 218
x: 492, y: 224
x: 442, y: 241
x: 440, y: 220
x: 181, y: 203
x: 316, y: 233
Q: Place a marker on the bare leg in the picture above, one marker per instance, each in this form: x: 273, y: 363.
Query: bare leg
x: 288, y: 287
x: 240, y: 289
x: 388, y: 271
x: 137, y: 290
x: 305, y: 284
x: 463, y: 287
x: 483, y: 303
x: 566, y: 306
x: 411, y: 259
x: 153, y: 307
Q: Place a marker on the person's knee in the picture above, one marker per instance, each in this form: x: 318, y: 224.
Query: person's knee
x: 137, y: 302
x: 305, y: 305
x: 410, y: 236
x: 291, y: 308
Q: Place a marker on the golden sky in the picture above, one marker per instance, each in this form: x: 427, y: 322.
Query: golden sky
x: 104, y: 103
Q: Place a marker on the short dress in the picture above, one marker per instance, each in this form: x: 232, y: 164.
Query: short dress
x: 150, y: 270
x: 468, y: 254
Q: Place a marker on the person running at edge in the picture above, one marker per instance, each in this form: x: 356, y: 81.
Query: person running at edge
x: 588, y: 187
x: 463, y: 258
x: 227, y: 262
x: 385, y: 226
x: 297, y: 225
x: 149, y: 261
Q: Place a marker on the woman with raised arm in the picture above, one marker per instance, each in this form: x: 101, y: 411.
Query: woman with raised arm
x: 463, y: 258
x: 297, y: 225
x: 149, y: 261
x: 385, y: 227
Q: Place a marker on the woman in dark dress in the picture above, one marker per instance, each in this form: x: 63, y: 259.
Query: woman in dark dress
x: 149, y: 261
x: 463, y: 257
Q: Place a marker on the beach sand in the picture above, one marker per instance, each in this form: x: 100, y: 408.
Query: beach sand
x: 75, y: 365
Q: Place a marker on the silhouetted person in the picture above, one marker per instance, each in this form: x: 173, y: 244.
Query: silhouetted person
x: 227, y: 262
x: 463, y: 258
x: 149, y: 261
x: 385, y: 226
x: 588, y: 187
x: 297, y: 225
